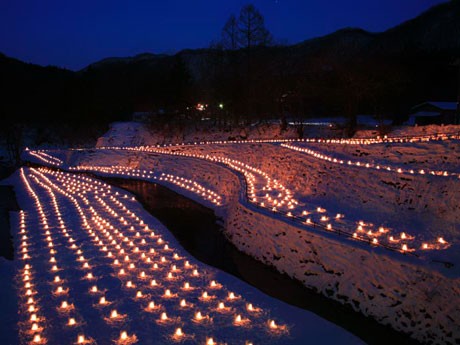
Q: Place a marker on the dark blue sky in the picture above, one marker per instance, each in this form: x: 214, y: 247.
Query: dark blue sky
x: 74, y: 33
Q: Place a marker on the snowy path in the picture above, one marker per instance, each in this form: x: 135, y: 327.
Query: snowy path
x: 95, y: 269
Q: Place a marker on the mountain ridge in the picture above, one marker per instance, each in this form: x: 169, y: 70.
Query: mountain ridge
x: 388, y: 72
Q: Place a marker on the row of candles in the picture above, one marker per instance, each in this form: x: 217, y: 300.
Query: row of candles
x: 342, y: 141
x: 122, y: 259
x: 270, y: 194
x: 66, y: 310
x: 34, y: 322
x: 237, y: 318
x: 52, y: 160
x: 277, y: 198
x: 45, y: 157
x: 367, y: 165
x: 181, y: 182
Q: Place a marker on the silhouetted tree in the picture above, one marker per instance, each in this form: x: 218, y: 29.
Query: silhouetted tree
x: 230, y: 33
x: 251, y: 26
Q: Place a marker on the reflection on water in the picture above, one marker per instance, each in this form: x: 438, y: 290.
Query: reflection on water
x: 196, y: 229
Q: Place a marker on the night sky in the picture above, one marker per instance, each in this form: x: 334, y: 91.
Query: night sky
x: 73, y: 34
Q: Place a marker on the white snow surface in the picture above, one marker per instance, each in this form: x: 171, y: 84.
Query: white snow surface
x: 69, y: 212
x: 389, y: 286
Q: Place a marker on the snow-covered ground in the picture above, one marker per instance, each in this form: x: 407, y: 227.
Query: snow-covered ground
x: 428, y: 156
x: 288, y: 191
x: 136, y: 134
x: 92, y: 265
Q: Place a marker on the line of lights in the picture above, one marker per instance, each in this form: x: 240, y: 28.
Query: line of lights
x: 366, y: 165
x: 273, y: 196
x: 137, y: 254
x: 343, y: 141
x: 163, y: 178
x: 45, y: 157
x: 65, y: 309
x: 28, y: 301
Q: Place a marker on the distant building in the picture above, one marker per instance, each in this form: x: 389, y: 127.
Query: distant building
x: 434, y: 113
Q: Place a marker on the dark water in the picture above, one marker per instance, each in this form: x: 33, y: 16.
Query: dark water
x: 198, y: 231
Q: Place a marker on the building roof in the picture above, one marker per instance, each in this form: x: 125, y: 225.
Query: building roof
x: 427, y: 113
x: 439, y: 105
